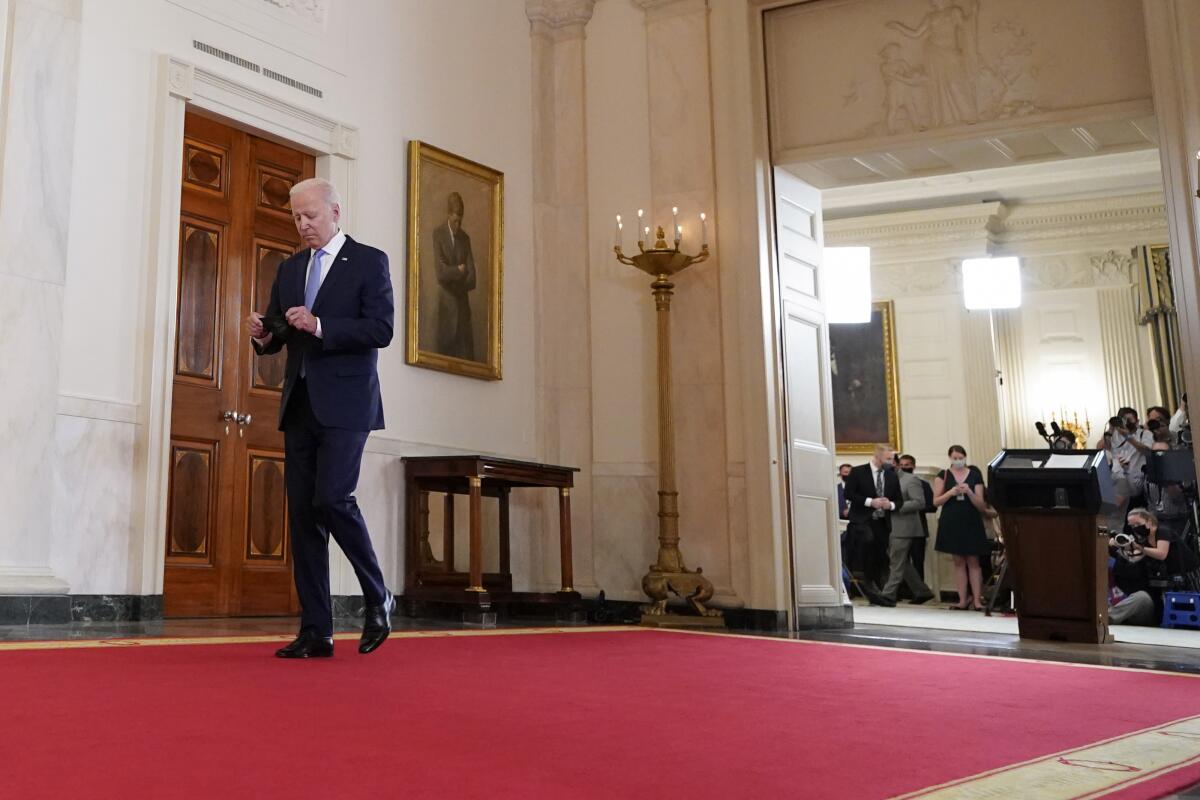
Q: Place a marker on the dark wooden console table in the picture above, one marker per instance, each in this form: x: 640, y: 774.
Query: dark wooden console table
x: 428, y: 580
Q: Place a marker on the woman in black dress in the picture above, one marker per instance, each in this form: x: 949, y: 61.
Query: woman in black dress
x: 959, y: 492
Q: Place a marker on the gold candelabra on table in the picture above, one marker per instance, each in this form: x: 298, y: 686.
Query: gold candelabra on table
x: 668, y: 574
x: 1070, y: 421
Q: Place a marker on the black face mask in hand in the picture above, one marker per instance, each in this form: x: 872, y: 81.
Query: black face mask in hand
x: 277, y: 326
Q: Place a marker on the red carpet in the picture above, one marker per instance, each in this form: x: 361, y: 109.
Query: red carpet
x: 645, y: 714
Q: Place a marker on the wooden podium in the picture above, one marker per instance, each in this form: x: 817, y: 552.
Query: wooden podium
x: 1057, y: 558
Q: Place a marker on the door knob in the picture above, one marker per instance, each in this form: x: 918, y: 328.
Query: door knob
x: 242, y: 419
x: 229, y: 416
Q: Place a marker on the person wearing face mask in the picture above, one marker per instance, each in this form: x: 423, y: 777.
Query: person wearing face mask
x: 906, y: 529
x: 916, y: 551
x: 959, y: 493
x: 872, y: 493
x: 1145, y: 567
x: 1127, y: 444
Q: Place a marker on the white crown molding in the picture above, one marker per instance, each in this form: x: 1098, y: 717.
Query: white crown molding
x: 930, y: 234
x: 965, y: 223
x: 1127, y: 214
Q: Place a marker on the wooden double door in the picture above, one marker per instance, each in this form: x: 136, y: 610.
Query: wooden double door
x: 227, y: 536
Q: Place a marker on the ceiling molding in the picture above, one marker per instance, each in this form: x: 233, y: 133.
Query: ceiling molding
x: 965, y: 231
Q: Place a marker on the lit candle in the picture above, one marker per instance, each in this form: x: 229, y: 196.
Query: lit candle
x: 678, y: 235
x: 617, y: 235
x: 703, y: 230
x: 674, y: 218
x: 640, y: 221
x: 646, y: 230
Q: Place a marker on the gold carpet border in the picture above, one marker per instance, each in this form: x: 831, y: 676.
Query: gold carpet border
x: 1018, y: 659
x: 154, y: 641
x: 1083, y: 773
x: 160, y: 641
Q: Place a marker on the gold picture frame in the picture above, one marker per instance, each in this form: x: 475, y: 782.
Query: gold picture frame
x: 866, y: 392
x: 455, y: 274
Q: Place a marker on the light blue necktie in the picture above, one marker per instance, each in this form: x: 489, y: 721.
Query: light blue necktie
x: 310, y: 289
x: 314, y: 280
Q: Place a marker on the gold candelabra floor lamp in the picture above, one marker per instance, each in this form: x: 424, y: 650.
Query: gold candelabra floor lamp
x: 668, y: 574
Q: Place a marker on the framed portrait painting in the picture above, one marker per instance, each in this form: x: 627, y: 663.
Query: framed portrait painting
x: 455, y: 248
x: 866, y: 397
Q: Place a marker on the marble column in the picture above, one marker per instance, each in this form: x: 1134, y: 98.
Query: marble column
x: 38, y: 124
x: 682, y: 176
x: 560, y: 231
x: 1173, y: 46
x: 979, y: 379
x: 1119, y: 333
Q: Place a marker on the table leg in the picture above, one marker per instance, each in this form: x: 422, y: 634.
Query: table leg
x: 476, y: 584
x: 423, y: 517
x: 505, y: 568
x: 448, y: 532
x: 564, y: 536
x: 412, y: 566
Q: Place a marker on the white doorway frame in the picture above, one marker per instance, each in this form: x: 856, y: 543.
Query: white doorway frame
x: 184, y: 86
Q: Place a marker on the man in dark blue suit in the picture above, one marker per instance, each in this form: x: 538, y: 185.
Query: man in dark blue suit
x: 331, y: 306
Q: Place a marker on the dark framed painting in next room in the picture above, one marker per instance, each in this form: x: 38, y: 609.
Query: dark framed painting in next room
x: 866, y: 394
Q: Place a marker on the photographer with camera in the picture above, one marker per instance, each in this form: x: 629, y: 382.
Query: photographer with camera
x: 1127, y: 444
x: 1149, y: 560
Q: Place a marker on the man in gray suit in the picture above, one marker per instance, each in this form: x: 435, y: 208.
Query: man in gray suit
x: 906, y: 529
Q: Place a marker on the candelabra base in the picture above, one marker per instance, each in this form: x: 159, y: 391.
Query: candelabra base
x: 681, y: 621
x: 659, y: 584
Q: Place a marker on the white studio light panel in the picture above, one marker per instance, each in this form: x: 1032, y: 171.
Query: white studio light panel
x: 990, y: 283
x: 847, y: 273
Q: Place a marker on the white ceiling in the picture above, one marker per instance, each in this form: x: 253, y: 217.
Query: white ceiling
x: 1082, y: 159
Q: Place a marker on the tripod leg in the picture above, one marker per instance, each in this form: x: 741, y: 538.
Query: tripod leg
x: 996, y: 588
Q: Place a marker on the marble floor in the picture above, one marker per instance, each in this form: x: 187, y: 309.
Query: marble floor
x: 916, y: 628
x: 943, y: 618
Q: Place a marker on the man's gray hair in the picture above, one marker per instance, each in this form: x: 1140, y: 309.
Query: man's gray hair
x: 328, y: 191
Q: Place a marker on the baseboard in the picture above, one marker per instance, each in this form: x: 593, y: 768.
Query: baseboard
x: 348, y: 606
x: 758, y: 620
x: 810, y: 618
x: 62, y: 609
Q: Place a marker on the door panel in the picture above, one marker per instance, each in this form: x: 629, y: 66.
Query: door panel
x: 227, y: 547
x: 804, y: 340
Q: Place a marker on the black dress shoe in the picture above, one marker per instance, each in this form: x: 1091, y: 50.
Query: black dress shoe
x: 925, y: 598
x: 878, y: 599
x: 307, y: 645
x: 377, y: 624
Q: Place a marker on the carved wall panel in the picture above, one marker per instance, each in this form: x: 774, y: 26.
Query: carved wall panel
x: 882, y: 69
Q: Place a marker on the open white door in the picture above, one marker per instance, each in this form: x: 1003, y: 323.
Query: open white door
x: 812, y: 494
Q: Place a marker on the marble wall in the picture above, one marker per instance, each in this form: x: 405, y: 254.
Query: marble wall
x: 40, y: 77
